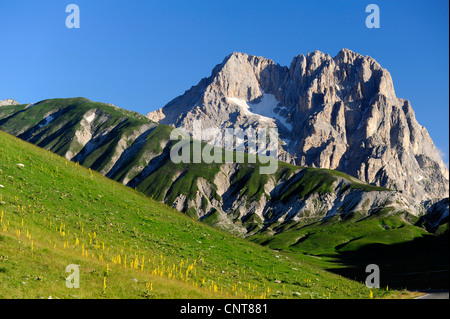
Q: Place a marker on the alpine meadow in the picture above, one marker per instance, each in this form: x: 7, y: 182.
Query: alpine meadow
x: 224, y: 158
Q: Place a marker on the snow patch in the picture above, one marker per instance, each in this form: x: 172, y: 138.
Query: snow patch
x: 90, y: 118
x: 264, y: 109
x: 48, y: 119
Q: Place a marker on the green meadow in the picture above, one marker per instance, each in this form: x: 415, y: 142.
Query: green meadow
x: 55, y: 213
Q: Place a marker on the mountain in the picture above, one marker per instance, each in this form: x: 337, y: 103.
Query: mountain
x: 8, y: 102
x: 338, y: 112
x: 133, y: 150
x: 54, y: 213
x: 300, y: 210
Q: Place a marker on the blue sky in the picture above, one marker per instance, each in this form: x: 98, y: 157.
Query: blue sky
x: 140, y: 54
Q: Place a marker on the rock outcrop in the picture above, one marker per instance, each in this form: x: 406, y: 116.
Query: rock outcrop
x: 8, y: 102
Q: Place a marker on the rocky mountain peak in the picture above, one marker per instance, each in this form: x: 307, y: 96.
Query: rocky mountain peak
x: 238, y: 76
x: 8, y: 102
x: 331, y: 112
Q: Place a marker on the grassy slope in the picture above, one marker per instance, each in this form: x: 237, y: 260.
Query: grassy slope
x: 56, y: 213
x: 71, y: 111
x: 347, y: 245
x: 338, y: 234
x: 8, y: 110
x: 293, y: 237
x: 54, y: 138
x: 247, y: 181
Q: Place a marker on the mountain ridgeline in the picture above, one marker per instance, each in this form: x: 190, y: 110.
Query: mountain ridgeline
x: 135, y: 151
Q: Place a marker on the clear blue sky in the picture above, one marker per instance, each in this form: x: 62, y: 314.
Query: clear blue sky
x: 140, y: 54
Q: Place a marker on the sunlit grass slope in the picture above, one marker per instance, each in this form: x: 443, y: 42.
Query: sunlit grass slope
x: 55, y: 213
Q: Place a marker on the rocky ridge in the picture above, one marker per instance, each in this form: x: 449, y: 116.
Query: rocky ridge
x: 8, y: 102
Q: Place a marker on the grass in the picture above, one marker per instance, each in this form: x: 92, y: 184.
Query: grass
x: 128, y: 219
x: 114, y: 130
x: 55, y: 213
x: 347, y: 244
x: 329, y: 237
x: 23, y: 123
